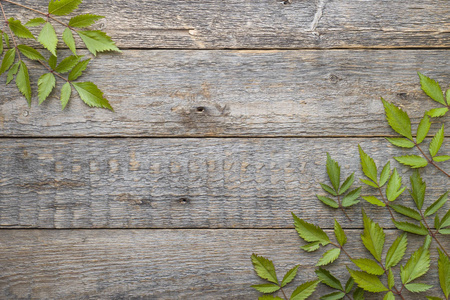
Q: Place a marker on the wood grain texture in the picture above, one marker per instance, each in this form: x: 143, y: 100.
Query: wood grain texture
x: 164, y: 264
x: 235, y: 93
x: 215, y: 24
x: 182, y: 183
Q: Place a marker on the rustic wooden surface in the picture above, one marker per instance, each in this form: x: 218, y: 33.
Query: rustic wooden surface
x: 224, y: 112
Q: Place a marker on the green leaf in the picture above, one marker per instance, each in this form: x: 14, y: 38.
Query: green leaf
x: 46, y: 84
x: 437, y: 223
x: 8, y: 60
x: 333, y: 296
x: 62, y: 7
x: 397, y: 119
x: 290, y: 275
x: 445, y: 220
x: 393, y: 189
x: 1, y: 44
x: 329, y: 257
x: 368, y: 282
x: 83, y: 21
x: 327, y: 278
x: 358, y: 294
x: 97, y: 41
x: 305, y: 290
x: 264, y: 268
x: 23, y: 82
x: 52, y: 61
x: 351, y: 198
x: 368, y: 165
x: 434, y: 298
x: 31, y: 53
x: 35, y: 22
x: 334, y: 172
x: 368, y: 265
x: 373, y: 237
x: 349, y: 285
x: 416, y: 266
x: 12, y: 72
x: 328, y: 201
x: 369, y: 183
x: 391, y: 279
x: 412, y: 228
x: 444, y: 273
x: 436, y: 142
x: 266, y: 288
x: 66, y: 91
x: 417, y: 287
x: 413, y: 161
x: 423, y: 129
x: 91, y: 94
x: 447, y: 96
x: 444, y: 231
x: 77, y: 71
x: 441, y: 158
x: 401, y: 142
x: 396, y: 251
x: 269, y: 297
x: 418, y: 188
x: 311, y: 247
x: 48, y: 38
x: 347, y: 184
x: 310, y: 232
x: 339, y: 233
x: 431, y: 88
x: 19, y: 30
x: 69, y: 40
x: 374, y: 200
x: 437, y: 112
x: 67, y: 64
x: 6, y: 39
x: 389, y: 296
x: 385, y: 173
x: 436, y: 205
x: 406, y: 211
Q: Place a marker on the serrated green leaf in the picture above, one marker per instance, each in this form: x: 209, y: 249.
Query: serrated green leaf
x: 19, y: 30
x: 436, y: 142
x: 437, y: 112
x: 339, y: 233
x: 290, y: 275
x: 437, y: 223
x: 417, y: 287
x: 347, y: 184
x: 349, y: 285
x: 329, y: 257
x: 311, y: 247
x: 368, y: 182
x: 30, y: 52
x: 1, y: 44
x: 97, y: 41
x: 441, y: 158
x: 358, y: 294
x: 83, y: 21
x: 374, y: 200
x: 427, y: 242
x: 68, y: 64
x: 6, y: 37
x: 385, y: 173
x: 48, y: 38
x: 391, y: 279
x: 266, y: 288
x: 401, y: 142
x: 412, y: 228
x: 368, y: 282
x: 269, y: 297
x: 423, y: 129
x: 23, y: 82
x: 413, y: 161
x: 333, y: 296
x: 69, y: 40
x: 406, y: 211
x: 351, y: 198
x: 416, y: 266
x: 328, y: 201
x: 436, y: 205
x: 62, y: 7
x: 77, y: 71
x: 393, y: 189
x: 434, y: 298
x: 91, y: 94
x: 310, y: 232
x: 444, y: 231
x: 35, y: 22
x: 396, y: 251
x: 444, y: 273
x: 397, y: 119
x: 445, y: 220
x: 52, y: 61
x: 418, y: 188
x: 431, y: 88
x: 46, y: 84
x: 66, y: 91
x: 12, y: 72
x: 368, y: 165
x: 368, y: 265
x: 389, y: 296
x: 305, y: 290
x: 334, y: 172
x: 373, y: 237
x: 447, y: 96
x: 327, y: 278
x: 8, y: 60
x: 264, y: 268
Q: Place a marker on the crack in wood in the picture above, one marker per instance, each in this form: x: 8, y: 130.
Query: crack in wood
x: 318, y: 15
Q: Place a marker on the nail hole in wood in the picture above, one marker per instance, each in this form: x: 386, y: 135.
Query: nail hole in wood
x: 402, y: 96
x: 184, y: 200
x: 200, y: 109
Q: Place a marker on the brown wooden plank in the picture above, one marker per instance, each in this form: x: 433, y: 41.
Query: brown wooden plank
x: 182, y: 183
x: 164, y: 264
x: 235, y: 93
x: 215, y: 24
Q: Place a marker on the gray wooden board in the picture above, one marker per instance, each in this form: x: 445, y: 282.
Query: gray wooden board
x: 183, y: 183
x: 235, y: 93
x: 166, y: 264
x: 215, y: 24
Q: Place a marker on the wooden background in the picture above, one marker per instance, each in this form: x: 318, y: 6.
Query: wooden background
x: 224, y: 113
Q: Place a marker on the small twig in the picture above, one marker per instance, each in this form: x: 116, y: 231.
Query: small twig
x: 433, y: 234
x: 343, y: 209
x: 386, y: 203
x: 430, y: 160
x: 10, y: 31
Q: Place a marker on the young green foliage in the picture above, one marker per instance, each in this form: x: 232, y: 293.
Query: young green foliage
x: 434, y: 91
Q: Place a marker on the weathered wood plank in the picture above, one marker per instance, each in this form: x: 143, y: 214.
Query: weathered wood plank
x: 235, y: 93
x: 214, y: 24
x: 161, y: 264
x: 181, y: 183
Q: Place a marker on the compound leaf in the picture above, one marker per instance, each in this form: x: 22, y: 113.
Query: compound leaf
x: 77, y: 71
x: 351, y: 198
x: 67, y: 64
x: 347, y: 184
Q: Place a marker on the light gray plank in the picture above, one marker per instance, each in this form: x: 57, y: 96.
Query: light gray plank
x: 182, y: 183
x: 235, y: 93
x: 214, y: 24
x: 163, y: 264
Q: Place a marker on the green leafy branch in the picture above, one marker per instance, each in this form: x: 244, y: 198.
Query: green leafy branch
x: 95, y: 41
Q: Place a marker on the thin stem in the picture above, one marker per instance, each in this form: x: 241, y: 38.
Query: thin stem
x: 342, y: 208
x: 387, y: 203
x: 433, y: 234
x: 52, y: 71
x: 10, y: 31
x: 285, y: 297
x: 430, y: 160
x: 342, y: 248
